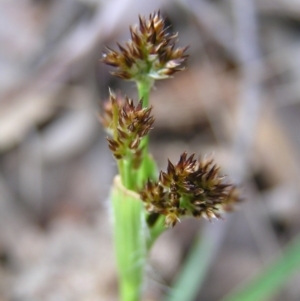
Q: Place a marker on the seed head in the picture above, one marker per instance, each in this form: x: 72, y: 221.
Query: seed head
x: 191, y: 187
x: 110, y: 108
x: 149, y: 53
x: 127, y: 124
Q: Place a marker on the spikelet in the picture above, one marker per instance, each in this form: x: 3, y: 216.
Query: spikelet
x: 127, y: 124
x: 150, y: 53
x: 190, y: 187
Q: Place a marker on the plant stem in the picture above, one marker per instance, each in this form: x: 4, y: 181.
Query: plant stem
x: 129, y: 237
x: 129, y: 219
x: 128, y: 178
x: 155, y: 231
x: 144, y: 87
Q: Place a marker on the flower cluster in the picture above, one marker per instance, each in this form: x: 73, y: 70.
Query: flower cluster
x: 127, y: 124
x: 150, y: 53
x: 191, y: 187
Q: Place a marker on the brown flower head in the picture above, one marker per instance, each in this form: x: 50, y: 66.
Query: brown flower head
x: 127, y: 124
x: 150, y: 53
x: 111, y: 108
x: 191, y: 187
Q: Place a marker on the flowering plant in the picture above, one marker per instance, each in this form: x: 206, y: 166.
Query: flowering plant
x: 145, y: 201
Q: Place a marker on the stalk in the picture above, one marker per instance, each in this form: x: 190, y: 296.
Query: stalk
x: 146, y: 169
x: 150, y: 55
x: 128, y: 212
x: 128, y: 179
x: 144, y: 86
x: 129, y: 238
x: 155, y: 231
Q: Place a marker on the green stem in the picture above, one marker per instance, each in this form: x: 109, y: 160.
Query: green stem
x: 130, y: 242
x: 129, y: 219
x: 127, y: 173
x: 144, y: 88
x: 121, y: 169
x: 128, y: 178
x: 155, y: 231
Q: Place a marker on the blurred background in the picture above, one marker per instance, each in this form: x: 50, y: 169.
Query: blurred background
x: 239, y: 100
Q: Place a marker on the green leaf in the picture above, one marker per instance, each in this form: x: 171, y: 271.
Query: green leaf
x: 271, y: 279
x: 187, y: 284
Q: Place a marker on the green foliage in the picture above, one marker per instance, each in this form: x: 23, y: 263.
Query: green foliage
x: 272, y: 278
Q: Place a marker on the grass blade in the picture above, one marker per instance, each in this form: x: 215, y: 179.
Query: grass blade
x: 190, y: 279
x: 271, y: 280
